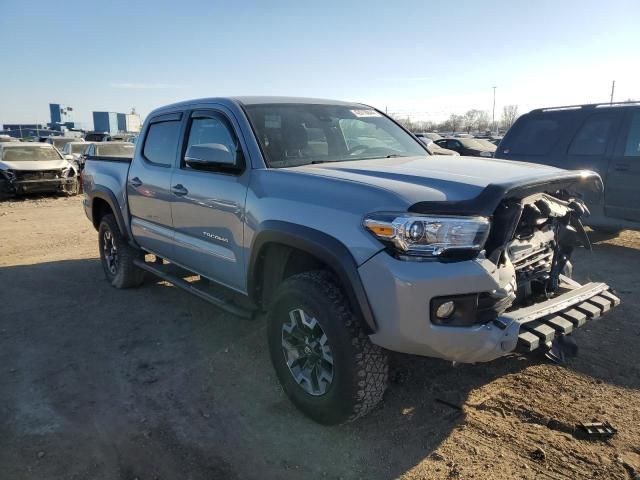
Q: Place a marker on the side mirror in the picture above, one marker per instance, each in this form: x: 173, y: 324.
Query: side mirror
x: 209, y: 155
x: 69, y: 157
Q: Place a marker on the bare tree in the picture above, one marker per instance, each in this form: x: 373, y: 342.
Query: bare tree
x: 476, y: 120
x: 453, y: 123
x: 482, y: 121
x: 509, y: 116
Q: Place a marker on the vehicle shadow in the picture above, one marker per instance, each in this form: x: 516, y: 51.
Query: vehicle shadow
x: 154, y: 382
x: 608, y: 346
x: 30, y: 197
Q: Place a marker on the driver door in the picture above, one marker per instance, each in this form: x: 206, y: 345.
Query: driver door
x: 208, y: 205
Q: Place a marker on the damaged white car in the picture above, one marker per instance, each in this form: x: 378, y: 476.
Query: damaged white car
x: 33, y: 168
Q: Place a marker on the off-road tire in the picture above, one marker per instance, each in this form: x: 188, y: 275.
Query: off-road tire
x: 127, y: 275
x: 360, y: 368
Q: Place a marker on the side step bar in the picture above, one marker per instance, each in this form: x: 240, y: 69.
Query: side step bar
x: 183, y: 284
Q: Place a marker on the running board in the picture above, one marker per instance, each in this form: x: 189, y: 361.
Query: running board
x: 183, y: 284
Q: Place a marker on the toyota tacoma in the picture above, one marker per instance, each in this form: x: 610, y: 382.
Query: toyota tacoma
x: 337, y: 223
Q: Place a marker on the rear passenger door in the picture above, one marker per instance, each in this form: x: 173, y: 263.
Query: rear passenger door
x: 622, y: 186
x: 208, y: 204
x: 148, y: 184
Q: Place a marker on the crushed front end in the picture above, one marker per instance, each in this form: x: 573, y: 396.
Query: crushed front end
x: 516, y: 294
x: 531, y: 245
x: 16, y: 182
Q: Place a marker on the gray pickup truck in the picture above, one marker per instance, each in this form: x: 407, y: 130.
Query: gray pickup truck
x: 337, y: 222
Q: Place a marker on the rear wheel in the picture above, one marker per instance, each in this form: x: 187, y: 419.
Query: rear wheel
x: 324, y: 359
x: 117, y: 255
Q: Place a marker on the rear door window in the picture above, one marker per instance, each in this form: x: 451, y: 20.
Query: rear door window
x: 535, y: 135
x: 593, y: 136
x: 632, y: 146
x: 161, y: 142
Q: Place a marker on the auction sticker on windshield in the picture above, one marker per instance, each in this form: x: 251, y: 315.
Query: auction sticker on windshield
x: 365, y: 113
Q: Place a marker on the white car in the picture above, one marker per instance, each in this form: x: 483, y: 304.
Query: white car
x: 35, y: 167
x: 73, y: 150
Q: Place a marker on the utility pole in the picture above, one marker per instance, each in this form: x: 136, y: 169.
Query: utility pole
x: 493, y: 116
x: 613, y: 87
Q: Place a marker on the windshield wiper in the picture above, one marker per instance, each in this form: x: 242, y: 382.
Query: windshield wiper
x: 393, y: 155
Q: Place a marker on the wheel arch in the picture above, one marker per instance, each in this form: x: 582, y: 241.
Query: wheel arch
x: 103, y: 201
x: 281, y: 249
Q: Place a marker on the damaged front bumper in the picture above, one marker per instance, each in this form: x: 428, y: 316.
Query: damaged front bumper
x: 539, y: 324
x: 66, y: 184
x: 400, y: 294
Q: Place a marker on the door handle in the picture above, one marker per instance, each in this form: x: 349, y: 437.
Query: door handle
x: 135, y: 182
x: 179, y: 190
x: 622, y: 167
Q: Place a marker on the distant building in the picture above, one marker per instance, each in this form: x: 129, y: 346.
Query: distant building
x: 57, y: 113
x: 133, y: 122
x: 113, y: 122
x: 105, y: 122
x: 24, y: 130
x: 122, y: 122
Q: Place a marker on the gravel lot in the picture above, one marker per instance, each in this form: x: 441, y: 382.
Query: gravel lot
x: 152, y: 383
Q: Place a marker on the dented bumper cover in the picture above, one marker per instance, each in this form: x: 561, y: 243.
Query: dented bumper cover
x: 400, y: 294
x: 66, y: 184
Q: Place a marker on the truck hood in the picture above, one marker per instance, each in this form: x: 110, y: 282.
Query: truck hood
x: 442, y: 179
x: 35, y: 165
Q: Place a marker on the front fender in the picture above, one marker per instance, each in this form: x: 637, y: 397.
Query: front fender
x: 326, y: 248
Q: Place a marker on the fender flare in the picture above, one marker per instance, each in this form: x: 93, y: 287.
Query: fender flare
x: 326, y: 248
x: 107, y: 195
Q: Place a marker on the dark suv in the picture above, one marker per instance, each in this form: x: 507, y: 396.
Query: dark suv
x: 600, y: 137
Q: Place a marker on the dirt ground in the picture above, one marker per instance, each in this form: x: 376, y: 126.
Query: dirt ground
x: 152, y: 383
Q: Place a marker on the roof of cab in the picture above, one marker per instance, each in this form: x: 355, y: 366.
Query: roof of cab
x: 256, y: 100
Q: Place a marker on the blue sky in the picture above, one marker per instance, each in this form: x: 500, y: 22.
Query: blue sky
x: 417, y: 58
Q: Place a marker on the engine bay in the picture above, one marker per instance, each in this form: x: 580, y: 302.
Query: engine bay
x: 539, y: 234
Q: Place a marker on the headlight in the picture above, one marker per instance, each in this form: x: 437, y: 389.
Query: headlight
x: 428, y: 235
x: 67, y: 172
x: 486, y: 154
x: 8, y: 174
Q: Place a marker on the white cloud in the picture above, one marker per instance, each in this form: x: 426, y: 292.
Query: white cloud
x: 143, y: 86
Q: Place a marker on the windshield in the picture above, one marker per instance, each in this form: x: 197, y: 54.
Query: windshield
x: 95, y: 137
x: 30, y: 153
x: 60, y: 142
x: 487, y: 143
x: 78, y: 147
x: 115, y: 150
x: 300, y: 134
x: 472, y: 143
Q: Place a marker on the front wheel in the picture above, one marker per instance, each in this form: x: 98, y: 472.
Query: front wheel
x: 117, y: 255
x: 322, y: 356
